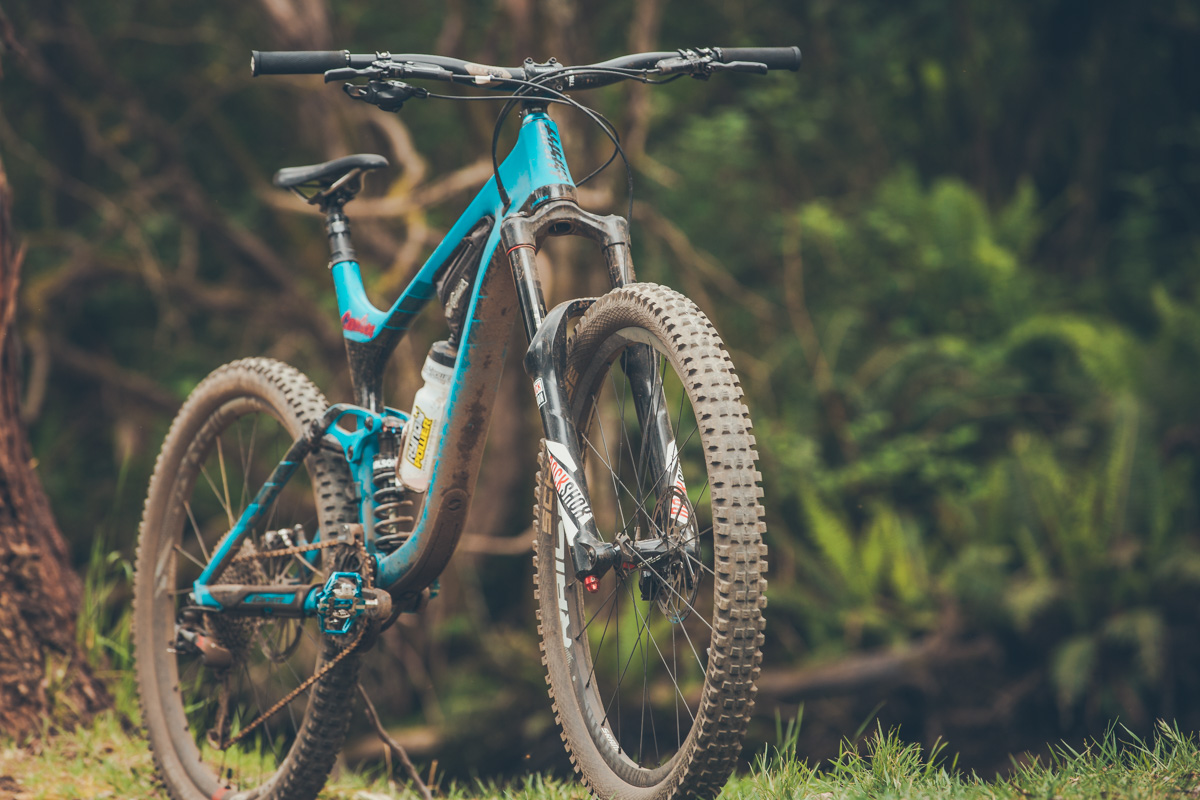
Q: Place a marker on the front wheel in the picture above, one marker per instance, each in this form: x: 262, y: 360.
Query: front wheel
x: 652, y: 673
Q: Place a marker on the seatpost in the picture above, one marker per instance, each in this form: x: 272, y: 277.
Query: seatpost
x: 337, y: 226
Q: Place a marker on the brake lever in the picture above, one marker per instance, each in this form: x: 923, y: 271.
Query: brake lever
x: 753, y: 67
x: 410, y: 69
x: 703, y: 62
x: 350, y: 73
x: 383, y: 69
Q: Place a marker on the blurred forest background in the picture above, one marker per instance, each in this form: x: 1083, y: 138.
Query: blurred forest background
x: 956, y: 258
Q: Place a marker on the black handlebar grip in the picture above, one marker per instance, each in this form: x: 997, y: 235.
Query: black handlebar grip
x: 297, y: 62
x: 773, y: 57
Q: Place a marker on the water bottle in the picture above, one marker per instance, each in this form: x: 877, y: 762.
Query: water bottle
x: 424, y: 424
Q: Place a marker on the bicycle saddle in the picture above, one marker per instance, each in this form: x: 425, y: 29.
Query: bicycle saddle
x: 328, y: 173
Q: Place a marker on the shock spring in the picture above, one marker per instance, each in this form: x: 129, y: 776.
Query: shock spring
x: 394, y: 507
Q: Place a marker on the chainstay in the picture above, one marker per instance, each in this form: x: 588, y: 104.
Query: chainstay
x: 316, y: 676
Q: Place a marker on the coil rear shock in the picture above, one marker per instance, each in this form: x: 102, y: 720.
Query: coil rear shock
x: 394, y: 506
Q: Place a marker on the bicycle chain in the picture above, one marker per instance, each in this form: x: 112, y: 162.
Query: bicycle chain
x: 316, y: 676
x: 292, y: 695
x: 294, y: 550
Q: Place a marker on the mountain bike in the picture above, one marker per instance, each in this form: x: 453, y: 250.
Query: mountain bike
x: 281, y: 533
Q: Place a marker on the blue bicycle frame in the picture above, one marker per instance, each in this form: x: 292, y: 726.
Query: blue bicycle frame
x: 541, y: 203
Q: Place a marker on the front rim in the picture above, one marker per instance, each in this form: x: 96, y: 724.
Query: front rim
x: 642, y: 639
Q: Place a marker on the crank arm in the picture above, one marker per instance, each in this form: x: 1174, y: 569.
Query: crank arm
x: 544, y: 362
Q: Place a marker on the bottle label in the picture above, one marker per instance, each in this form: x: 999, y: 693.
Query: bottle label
x: 418, y: 443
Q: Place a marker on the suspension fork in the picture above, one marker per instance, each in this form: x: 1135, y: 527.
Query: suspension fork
x: 640, y: 365
x: 545, y: 362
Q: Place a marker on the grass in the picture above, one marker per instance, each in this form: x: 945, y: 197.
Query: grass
x: 1120, y: 765
x: 109, y: 759
x: 105, y: 760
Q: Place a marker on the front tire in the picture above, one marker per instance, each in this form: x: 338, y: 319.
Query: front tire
x: 231, y: 432
x: 652, y: 676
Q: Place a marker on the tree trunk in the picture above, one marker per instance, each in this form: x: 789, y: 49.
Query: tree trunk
x: 43, y: 674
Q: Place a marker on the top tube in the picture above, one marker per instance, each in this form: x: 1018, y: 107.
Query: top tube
x: 536, y: 161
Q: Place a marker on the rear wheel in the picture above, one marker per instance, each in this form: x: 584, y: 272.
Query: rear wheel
x: 229, y: 435
x: 652, y: 674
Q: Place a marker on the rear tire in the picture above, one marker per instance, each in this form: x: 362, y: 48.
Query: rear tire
x: 657, y: 710
x: 229, y: 434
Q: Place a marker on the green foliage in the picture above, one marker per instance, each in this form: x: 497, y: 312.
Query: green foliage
x: 978, y: 445
x: 103, y: 628
x: 885, y: 766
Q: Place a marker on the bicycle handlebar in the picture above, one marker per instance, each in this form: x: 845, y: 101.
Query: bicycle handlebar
x: 296, y: 62
x: 774, y: 57
x: 313, y: 62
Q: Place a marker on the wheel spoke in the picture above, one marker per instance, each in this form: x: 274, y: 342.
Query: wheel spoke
x: 603, y: 603
x: 606, y: 460
x: 600, y: 647
x: 247, y: 460
x: 196, y: 529
x: 670, y: 672
x: 217, y: 494
x: 616, y: 481
x: 189, y: 557
x: 624, y: 670
x: 224, y: 481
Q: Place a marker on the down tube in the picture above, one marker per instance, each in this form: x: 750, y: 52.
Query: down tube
x: 534, y: 165
x: 468, y: 414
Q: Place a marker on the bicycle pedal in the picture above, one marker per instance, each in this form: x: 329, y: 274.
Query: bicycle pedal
x: 343, y: 600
